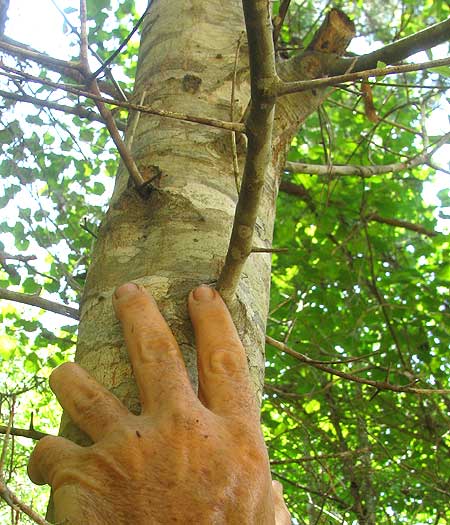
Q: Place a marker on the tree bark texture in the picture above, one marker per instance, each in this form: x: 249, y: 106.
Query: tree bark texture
x: 178, y: 237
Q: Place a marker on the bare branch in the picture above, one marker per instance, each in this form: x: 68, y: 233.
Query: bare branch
x: 23, y: 432
x: 319, y: 457
x: 270, y: 250
x: 399, y: 50
x: 280, y: 88
x: 124, y: 152
x: 215, y: 123
x: 35, y: 300
x: 14, y: 502
x: 22, y: 258
x: 79, y: 111
x: 259, y: 132
x: 401, y: 224
x: 122, y: 44
x: 67, y: 68
x: 379, y: 385
x: 16, y: 49
x: 366, y: 171
x: 279, y: 19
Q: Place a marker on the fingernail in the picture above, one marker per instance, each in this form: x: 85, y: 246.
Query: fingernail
x: 126, y: 289
x: 204, y: 293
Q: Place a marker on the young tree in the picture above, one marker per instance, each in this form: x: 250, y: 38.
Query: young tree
x: 226, y: 106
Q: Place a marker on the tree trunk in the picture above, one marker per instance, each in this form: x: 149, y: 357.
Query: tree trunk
x: 178, y: 237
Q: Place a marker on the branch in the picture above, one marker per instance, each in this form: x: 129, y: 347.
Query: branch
x: 280, y: 88
x: 259, y: 148
x: 28, y: 433
x: 122, y: 148
x: 39, y: 302
x: 366, y: 171
x: 22, y: 258
x: 401, y: 224
x: 302, y: 193
x: 16, y: 49
x: 67, y: 68
x: 14, y: 502
x: 119, y: 92
x: 279, y: 19
x: 79, y: 111
x: 229, y: 126
x: 319, y: 457
x: 373, y: 286
x: 122, y: 44
x: 270, y: 250
x: 379, y: 385
x: 399, y: 50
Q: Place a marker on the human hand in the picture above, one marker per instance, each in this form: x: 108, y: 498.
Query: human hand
x: 186, y: 460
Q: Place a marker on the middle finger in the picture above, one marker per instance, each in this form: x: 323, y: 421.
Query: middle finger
x: 155, y: 356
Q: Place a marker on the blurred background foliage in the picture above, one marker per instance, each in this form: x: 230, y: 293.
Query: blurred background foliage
x: 348, y: 287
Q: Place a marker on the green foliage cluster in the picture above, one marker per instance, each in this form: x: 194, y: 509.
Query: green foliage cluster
x: 348, y: 287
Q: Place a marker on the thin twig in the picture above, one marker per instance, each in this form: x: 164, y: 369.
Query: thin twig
x: 124, y: 152
x: 23, y: 432
x: 79, y: 111
x: 319, y: 457
x: 233, y: 133
x: 366, y: 171
x: 279, y: 19
x: 280, y: 88
x: 15, y: 503
x: 380, y: 385
x: 22, y: 258
x: 111, y: 58
x: 94, y: 53
x: 398, y: 223
x: 269, y: 250
x: 35, y: 300
x: 374, y: 287
x: 7, y: 434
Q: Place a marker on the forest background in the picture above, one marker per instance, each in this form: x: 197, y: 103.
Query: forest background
x: 355, y: 408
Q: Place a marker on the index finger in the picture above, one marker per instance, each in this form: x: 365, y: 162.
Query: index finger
x: 224, y: 379
x: 156, y: 359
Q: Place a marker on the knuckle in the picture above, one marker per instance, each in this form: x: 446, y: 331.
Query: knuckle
x: 155, y: 345
x: 226, y: 359
x: 90, y: 402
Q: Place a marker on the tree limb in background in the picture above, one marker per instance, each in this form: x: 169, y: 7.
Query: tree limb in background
x: 366, y: 171
x: 138, y: 179
x: 318, y: 457
x: 111, y: 58
x: 259, y: 125
x: 79, y: 111
x: 298, y: 190
x: 399, y: 50
x: 379, y: 385
x: 401, y: 224
x: 22, y: 258
x: 279, y: 19
x: 5, y: 493
x: 66, y: 68
x: 23, y: 432
x: 281, y: 88
x: 35, y: 300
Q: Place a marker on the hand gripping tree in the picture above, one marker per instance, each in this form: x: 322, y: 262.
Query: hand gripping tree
x: 230, y: 104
